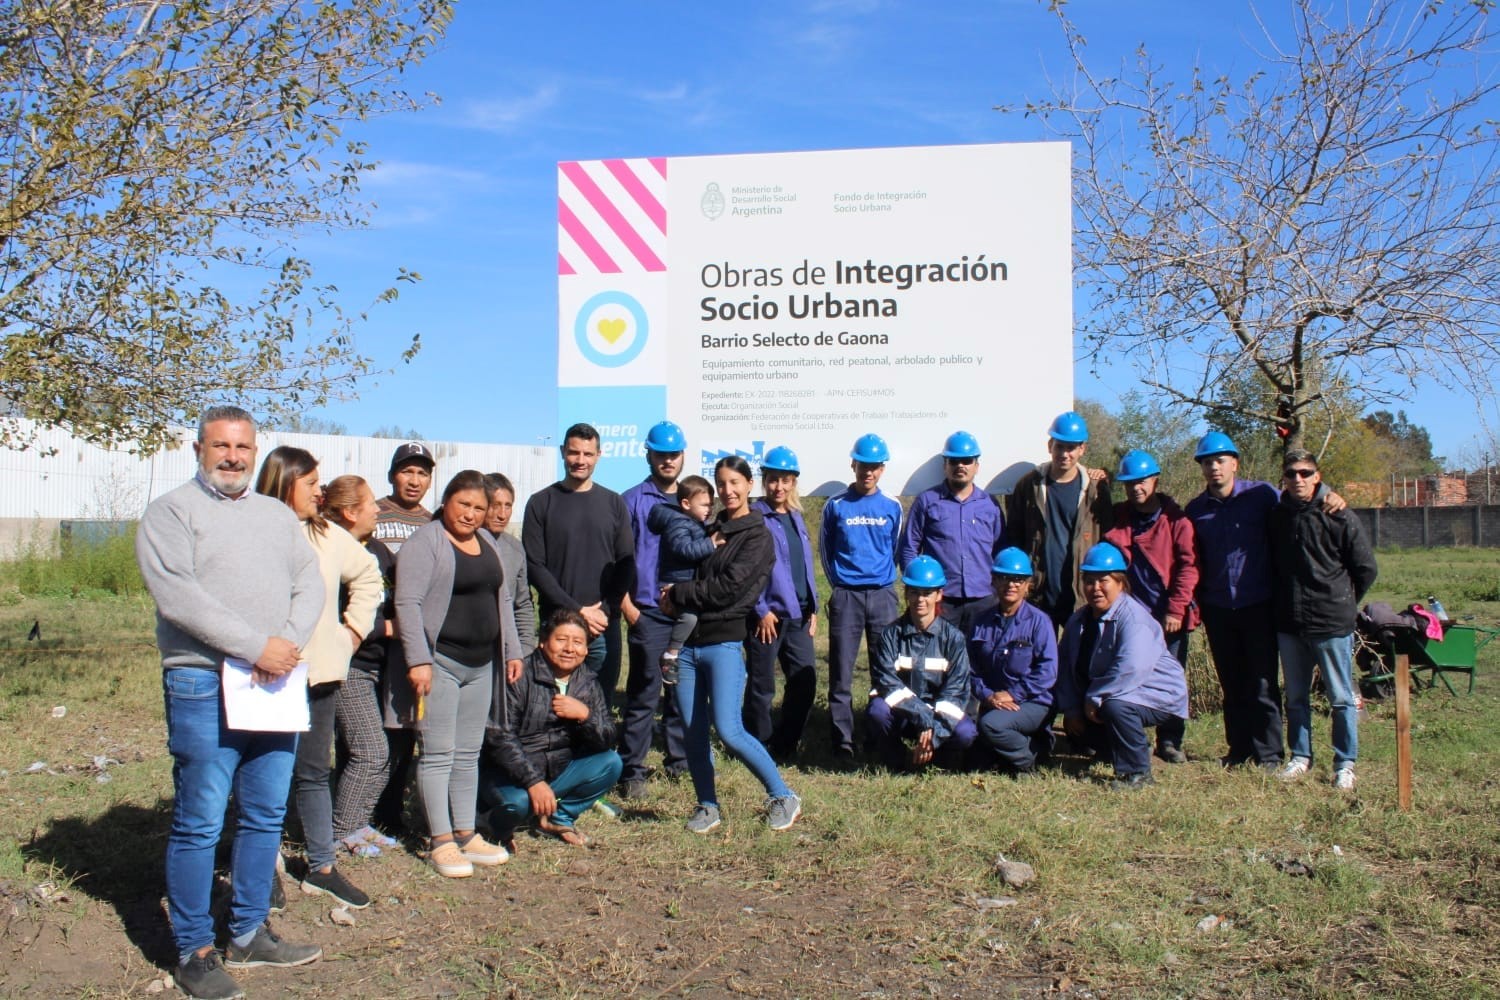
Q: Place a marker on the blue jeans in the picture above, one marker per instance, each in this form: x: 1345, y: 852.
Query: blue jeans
x: 582, y: 783
x: 711, y: 681
x: 209, y: 761
x: 1333, y: 656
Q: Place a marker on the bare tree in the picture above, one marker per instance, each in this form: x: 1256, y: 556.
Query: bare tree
x: 1325, y: 227
x: 154, y: 155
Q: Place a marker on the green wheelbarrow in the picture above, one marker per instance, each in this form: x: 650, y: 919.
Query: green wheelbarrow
x: 1456, y: 653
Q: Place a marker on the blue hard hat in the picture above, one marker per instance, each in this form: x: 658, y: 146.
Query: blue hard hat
x: 871, y: 449
x: 1012, y: 562
x: 780, y: 459
x: 924, y: 573
x: 1137, y: 464
x: 1069, y: 428
x: 1103, y: 558
x: 1215, y: 443
x: 666, y: 437
x: 961, y: 444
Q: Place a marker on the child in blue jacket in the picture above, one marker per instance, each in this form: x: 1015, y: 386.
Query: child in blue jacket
x: 685, y: 542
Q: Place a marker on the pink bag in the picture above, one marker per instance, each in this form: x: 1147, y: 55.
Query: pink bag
x: 1434, y: 626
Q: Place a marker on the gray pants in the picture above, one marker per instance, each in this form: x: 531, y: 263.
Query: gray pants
x: 451, y: 736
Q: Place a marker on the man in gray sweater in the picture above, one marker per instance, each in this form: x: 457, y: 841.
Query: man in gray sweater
x: 235, y: 579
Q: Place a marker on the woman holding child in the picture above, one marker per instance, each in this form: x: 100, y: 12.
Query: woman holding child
x: 711, y: 670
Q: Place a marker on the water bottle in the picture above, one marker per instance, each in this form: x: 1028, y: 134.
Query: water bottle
x: 1436, y: 607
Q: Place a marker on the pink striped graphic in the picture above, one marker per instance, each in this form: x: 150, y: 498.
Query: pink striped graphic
x: 612, y: 216
x: 586, y: 242
x: 617, y: 223
x: 654, y: 209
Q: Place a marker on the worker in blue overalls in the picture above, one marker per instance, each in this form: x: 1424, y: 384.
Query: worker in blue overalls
x: 857, y: 543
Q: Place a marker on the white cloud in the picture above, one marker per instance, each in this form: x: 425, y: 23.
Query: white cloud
x: 505, y: 114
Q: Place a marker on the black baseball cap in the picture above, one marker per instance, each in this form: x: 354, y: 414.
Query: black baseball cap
x: 412, y: 451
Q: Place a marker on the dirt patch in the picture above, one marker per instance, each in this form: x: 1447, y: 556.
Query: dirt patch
x: 561, y: 921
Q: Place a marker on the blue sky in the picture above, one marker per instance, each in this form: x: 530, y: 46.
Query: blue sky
x: 466, y: 193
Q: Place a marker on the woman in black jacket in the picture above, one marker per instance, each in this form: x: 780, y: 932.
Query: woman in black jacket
x: 550, y: 753
x: 711, y: 669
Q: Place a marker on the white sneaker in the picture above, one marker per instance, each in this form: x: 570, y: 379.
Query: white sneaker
x: 1294, y: 769
x: 1343, y: 778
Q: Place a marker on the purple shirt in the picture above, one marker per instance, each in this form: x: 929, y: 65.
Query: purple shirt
x: 1234, y: 544
x: 1129, y: 661
x: 639, y: 500
x: 1017, y: 655
x: 962, y: 535
x: 780, y: 594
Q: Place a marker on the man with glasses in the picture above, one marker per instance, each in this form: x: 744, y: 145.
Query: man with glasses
x: 958, y: 524
x: 1323, y: 567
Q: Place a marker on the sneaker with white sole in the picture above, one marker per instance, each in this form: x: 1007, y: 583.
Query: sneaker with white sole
x: 449, y: 861
x: 1343, y: 778
x: 479, y: 851
x: 266, y: 948
x: 1294, y: 769
x: 782, y: 812
x: 705, y: 819
x: 333, y: 883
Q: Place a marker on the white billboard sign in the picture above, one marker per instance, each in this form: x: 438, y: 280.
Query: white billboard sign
x: 805, y: 299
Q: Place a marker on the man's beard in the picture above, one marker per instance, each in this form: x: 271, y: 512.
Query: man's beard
x: 230, y: 481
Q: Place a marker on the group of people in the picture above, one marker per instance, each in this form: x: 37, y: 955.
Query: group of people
x: 418, y: 633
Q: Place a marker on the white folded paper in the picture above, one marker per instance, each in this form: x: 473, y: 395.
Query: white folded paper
x: 277, y: 706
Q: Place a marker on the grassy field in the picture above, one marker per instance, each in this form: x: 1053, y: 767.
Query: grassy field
x: 1209, y: 884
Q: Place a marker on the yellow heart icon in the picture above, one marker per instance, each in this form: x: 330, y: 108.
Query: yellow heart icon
x: 611, y: 329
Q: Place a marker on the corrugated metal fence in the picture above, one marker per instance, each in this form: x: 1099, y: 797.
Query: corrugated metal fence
x: 60, y: 477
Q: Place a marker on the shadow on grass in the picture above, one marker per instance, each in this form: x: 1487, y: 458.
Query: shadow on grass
x: 117, y: 858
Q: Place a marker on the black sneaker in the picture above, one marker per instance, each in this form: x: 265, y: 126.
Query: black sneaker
x: 203, y: 977
x: 634, y: 789
x: 278, y: 894
x: 268, y: 949
x: 332, y: 883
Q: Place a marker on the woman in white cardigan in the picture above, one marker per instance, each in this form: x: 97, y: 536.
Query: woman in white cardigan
x: 291, y: 476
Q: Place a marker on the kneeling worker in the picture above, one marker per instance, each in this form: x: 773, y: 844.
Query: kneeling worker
x: 920, y: 675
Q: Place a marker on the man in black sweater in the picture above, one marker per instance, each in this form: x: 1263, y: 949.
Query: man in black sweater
x: 1322, y: 566
x: 580, y: 551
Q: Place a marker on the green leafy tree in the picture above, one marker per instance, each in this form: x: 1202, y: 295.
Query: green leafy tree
x: 157, y: 160
x: 1328, y: 225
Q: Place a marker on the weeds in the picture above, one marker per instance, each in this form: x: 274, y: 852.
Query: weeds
x: 79, y: 567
